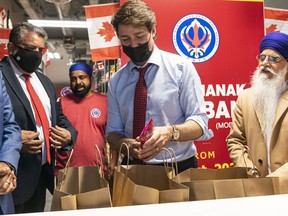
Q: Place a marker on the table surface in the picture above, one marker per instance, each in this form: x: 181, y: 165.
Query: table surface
x: 261, y: 205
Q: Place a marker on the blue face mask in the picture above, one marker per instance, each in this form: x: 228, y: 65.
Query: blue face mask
x: 140, y: 53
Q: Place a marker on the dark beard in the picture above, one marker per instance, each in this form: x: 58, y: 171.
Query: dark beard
x: 83, y: 93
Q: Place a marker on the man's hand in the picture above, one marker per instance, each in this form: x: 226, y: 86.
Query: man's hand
x: 59, y: 137
x: 4, y: 169
x: 153, y: 146
x: 30, y: 143
x: 7, y: 179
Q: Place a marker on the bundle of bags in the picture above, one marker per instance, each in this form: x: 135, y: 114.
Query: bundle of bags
x: 205, y: 184
x: 86, y: 187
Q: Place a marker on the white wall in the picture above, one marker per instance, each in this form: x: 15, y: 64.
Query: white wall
x: 58, y: 70
x: 276, y: 3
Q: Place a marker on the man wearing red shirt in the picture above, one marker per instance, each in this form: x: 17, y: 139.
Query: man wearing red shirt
x: 87, y: 112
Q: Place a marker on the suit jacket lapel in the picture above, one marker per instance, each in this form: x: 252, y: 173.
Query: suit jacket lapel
x: 17, y: 89
x: 280, y: 111
x: 281, y: 107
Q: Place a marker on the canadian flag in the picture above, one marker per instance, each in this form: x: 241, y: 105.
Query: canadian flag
x: 3, y: 14
x: 4, y: 39
x: 276, y: 20
x: 45, y: 56
x: 104, y: 43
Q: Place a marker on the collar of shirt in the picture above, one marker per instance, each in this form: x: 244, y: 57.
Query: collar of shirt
x: 15, y: 68
x: 155, y: 59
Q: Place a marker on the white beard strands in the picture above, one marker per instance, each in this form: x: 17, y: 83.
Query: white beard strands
x: 267, y: 92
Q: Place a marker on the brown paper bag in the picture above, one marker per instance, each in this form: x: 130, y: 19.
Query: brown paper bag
x: 145, y: 184
x: 81, y: 188
x: 232, y: 182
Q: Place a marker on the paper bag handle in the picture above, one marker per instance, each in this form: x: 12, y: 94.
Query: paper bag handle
x: 164, y: 158
x: 101, y: 169
x: 255, y: 172
x: 119, y: 156
x: 174, y: 165
x: 170, y: 151
x: 68, y: 162
x: 66, y: 168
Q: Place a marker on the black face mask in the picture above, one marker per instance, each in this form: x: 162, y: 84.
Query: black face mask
x: 27, y: 60
x: 140, y: 53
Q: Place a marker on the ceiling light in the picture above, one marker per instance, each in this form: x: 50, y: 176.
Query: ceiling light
x: 50, y: 55
x: 59, y: 1
x: 57, y: 55
x: 54, y: 55
x: 60, y: 23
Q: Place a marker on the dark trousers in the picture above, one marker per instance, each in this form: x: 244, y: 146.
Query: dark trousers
x: 181, y: 165
x: 37, y: 202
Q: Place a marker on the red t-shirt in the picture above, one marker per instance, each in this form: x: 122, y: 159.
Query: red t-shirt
x: 88, y: 116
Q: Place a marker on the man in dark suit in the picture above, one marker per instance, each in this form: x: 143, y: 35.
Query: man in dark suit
x: 10, y: 145
x: 35, y: 171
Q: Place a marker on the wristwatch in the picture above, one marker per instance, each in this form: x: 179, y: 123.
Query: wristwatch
x: 175, y: 133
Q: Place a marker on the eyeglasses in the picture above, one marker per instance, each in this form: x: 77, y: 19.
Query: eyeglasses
x: 26, y: 47
x: 271, y: 59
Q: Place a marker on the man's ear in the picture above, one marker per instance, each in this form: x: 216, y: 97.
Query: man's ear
x: 11, y: 48
x: 154, y: 32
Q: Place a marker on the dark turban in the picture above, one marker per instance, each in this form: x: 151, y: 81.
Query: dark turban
x: 81, y: 66
x: 276, y: 41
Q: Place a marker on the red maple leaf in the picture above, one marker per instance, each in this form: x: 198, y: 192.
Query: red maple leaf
x: 3, y: 50
x: 271, y: 28
x: 107, y: 31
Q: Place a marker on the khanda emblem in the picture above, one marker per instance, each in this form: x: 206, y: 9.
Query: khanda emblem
x: 66, y: 90
x: 196, y: 37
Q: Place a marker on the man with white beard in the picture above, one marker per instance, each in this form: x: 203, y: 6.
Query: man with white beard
x: 258, y: 138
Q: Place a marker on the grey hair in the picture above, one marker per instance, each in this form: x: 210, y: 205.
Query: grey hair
x: 19, y: 31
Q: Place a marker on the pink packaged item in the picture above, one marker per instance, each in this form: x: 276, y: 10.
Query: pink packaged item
x: 147, y: 132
